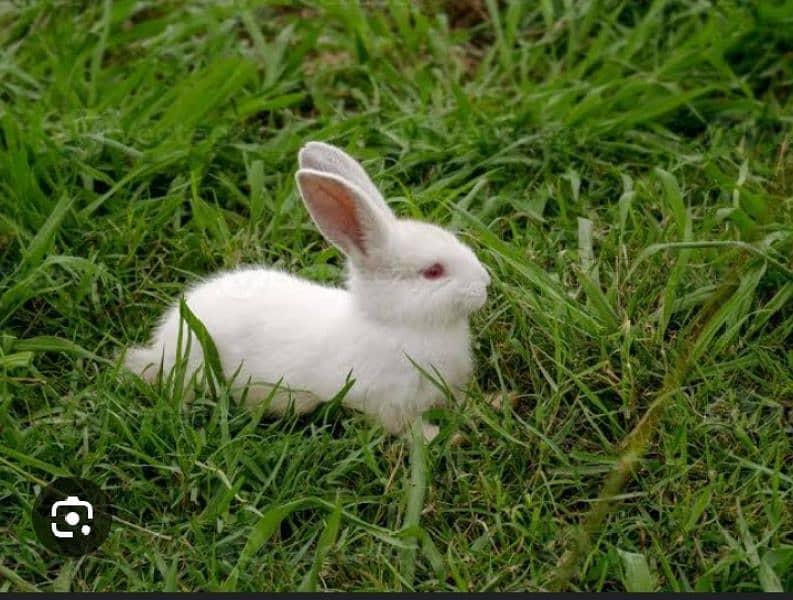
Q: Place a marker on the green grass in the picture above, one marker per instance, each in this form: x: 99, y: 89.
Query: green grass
x: 625, y: 171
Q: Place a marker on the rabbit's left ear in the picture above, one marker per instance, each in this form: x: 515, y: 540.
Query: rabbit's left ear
x: 345, y: 215
x: 325, y: 158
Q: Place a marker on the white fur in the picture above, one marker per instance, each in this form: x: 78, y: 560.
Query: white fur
x: 270, y: 326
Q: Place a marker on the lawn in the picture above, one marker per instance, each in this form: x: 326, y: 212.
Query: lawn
x: 623, y: 169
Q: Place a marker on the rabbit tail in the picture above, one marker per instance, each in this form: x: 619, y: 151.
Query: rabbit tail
x: 144, y: 361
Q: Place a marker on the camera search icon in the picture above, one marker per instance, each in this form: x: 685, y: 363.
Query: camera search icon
x: 72, y: 516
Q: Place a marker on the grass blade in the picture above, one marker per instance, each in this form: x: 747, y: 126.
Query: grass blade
x: 637, y: 577
x: 415, y: 497
x: 40, y: 244
x: 324, y: 545
x: 212, y: 364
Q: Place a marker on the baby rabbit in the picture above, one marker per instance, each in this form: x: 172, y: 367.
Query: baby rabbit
x: 411, y: 287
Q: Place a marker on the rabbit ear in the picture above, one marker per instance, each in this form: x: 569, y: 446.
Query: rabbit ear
x: 330, y: 159
x: 345, y: 215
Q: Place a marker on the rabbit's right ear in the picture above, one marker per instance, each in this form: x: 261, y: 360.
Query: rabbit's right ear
x: 323, y: 157
x: 345, y: 215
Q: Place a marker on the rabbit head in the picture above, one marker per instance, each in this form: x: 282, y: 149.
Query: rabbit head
x: 399, y: 270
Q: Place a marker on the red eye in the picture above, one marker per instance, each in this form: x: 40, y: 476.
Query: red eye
x: 434, y: 271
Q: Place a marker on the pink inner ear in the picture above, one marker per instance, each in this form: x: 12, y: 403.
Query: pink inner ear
x: 335, y: 207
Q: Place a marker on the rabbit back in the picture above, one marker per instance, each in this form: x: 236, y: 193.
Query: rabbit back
x: 261, y: 320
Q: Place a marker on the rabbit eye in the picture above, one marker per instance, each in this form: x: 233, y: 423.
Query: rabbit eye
x: 434, y: 271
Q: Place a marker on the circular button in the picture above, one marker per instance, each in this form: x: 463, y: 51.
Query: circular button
x: 72, y: 516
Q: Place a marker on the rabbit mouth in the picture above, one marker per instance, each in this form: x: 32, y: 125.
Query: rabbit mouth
x: 479, y: 302
x: 473, y: 299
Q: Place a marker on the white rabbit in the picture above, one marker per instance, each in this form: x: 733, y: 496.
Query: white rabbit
x: 411, y: 287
